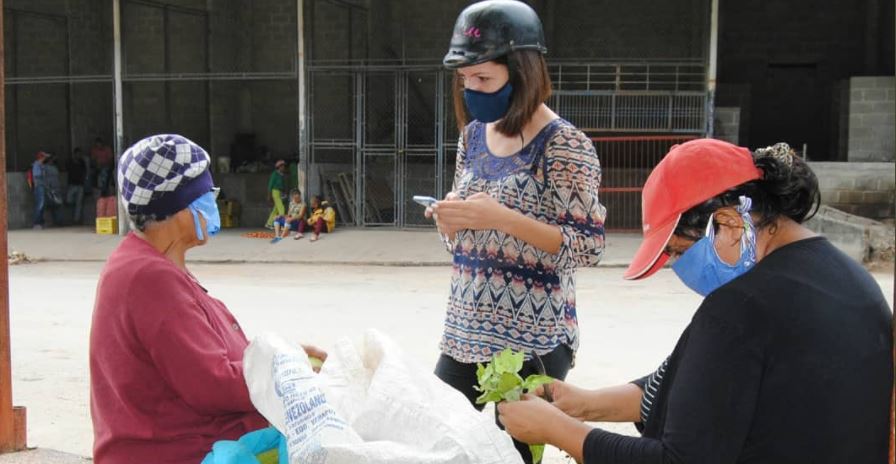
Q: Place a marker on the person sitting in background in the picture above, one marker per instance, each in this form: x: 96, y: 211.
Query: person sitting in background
x: 166, y: 358
x: 293, y: 219
x: 323, y: 218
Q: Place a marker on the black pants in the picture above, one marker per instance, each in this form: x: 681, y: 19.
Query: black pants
x: 462, y: 377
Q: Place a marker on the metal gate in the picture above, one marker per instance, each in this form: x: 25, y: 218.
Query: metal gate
x: 626, y: 161
x: 378, y: 138
x: 380, y: 134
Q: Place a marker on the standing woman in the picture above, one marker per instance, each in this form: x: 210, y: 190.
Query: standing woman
x: 523, y: 214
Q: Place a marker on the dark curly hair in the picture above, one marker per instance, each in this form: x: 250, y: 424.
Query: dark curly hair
x: 788, y: 187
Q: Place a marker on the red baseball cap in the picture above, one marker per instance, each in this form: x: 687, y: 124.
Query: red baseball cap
x: 690, y: 174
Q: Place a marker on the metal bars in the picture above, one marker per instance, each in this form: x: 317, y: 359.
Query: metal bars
x: 396, y: 144
x: 399, y: 140
x: 632, y: 111
x: 626, y: 161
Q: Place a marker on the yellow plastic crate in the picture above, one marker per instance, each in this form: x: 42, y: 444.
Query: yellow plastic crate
x: 229, y: 221
x: 229, y: 207
x: 107, y: 225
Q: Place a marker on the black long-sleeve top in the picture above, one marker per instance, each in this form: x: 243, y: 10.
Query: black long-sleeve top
x: 789, y: 363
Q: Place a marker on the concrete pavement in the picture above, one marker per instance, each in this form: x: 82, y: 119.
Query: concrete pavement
x: 345, y: 246
x: 42, y: 456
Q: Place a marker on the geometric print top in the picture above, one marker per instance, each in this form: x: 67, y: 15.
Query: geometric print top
x: 506, y: 292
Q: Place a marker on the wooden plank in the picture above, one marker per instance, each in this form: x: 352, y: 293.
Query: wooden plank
x: 11, y: 437
x: 341, y: 208
x: 20, y: 435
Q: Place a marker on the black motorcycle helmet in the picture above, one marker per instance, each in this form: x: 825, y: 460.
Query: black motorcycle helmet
x: 491, y: 29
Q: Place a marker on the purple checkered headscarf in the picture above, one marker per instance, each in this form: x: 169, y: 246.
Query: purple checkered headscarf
x: 162, y: 174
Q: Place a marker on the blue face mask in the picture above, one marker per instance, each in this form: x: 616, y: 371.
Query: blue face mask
x: 700, y: 267
x: 488, y: 107
x: 208, y: 208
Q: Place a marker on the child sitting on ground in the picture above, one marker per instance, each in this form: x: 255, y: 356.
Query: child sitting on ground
x: 293, y: 220
x: 322, y: 220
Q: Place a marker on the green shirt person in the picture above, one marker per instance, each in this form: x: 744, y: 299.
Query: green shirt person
x: 277, y: 185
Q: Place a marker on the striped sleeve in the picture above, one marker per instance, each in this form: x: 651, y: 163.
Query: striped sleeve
x: 651, y: 387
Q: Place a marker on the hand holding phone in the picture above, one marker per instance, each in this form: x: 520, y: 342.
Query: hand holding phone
x: 425, y: 200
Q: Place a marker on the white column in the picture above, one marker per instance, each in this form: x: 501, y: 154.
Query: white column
x: 303, y: 167
x: 119, y: 124
x: 711, y: 69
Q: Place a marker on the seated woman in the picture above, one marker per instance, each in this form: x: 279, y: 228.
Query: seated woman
x: 322, y: 220
x: 166, y: 358
x: 788, y: 359
x: 293, y: 219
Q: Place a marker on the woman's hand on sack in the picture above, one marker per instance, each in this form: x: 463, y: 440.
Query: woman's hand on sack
x: 478, y: 212
x: 315, y: 352
x: 570, y: 399
x: 431, y: 212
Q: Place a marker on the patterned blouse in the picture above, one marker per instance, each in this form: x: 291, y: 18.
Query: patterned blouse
x: 504, y: 291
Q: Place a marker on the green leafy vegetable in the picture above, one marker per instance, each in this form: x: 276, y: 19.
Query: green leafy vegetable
x: 500, y: 381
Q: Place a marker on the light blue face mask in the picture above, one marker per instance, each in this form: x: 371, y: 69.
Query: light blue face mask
x: 488, y: 107
x: 700, y: 267
x: 208, y: 208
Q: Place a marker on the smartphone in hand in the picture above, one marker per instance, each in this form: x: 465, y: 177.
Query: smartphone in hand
x: 425, y: 200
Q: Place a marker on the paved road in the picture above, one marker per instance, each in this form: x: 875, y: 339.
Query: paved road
x: 627, y: 328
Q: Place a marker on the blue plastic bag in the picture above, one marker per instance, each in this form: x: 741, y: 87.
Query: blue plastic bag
x: 244, y: 450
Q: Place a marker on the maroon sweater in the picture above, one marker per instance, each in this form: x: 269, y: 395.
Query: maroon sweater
x: 166, y: 363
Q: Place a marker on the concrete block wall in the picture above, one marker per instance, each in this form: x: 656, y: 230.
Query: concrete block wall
x: 872, y: 112
x: 256, y: 37
x: 143, y: 38
x: 862, y: 189
x: 273, y: 35
x: 251, y: 191
x: 862, y: 239
x: 836, y: 38
x: 37, y: 37
x: 629, y: 29
x: 421, y: 30
x: 21, y: 201
x: 148, y: 32
x: 727, y: 124
x: 245, y: 37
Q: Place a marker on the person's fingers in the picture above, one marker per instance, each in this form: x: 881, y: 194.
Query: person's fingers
x: 502, y: 407
x: 450, y: 205
x: 455, y: 222
x: 428, y: 213
x: 314, y: 351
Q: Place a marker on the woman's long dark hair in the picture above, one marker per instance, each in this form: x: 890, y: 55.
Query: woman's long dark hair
x: 787, y: 188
